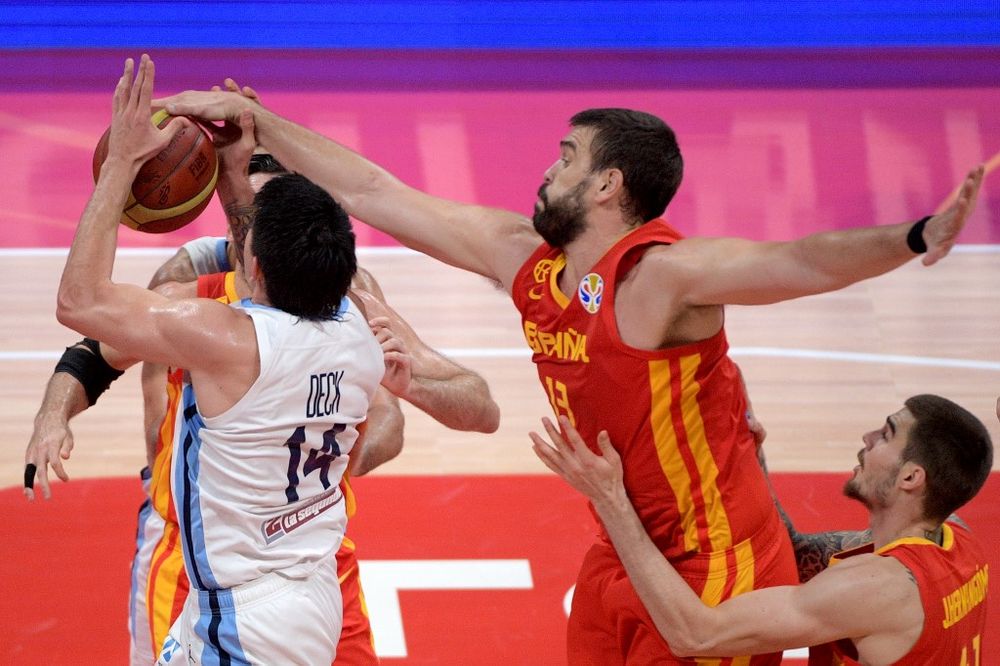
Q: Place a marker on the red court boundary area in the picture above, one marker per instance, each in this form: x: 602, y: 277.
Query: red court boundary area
x: 64, y: 563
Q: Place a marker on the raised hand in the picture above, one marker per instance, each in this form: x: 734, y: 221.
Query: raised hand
x: 209, y: 105
x: 234, y: 140
x: 941, y: 231
x: 134, y: 138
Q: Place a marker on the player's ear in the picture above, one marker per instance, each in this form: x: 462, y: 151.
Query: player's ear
x: 611, y: 182
x: 912, y: 476
x: 254, y: 272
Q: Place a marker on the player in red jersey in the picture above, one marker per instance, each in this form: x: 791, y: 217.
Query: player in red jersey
x: 625, y: 319
x: 914, y: 596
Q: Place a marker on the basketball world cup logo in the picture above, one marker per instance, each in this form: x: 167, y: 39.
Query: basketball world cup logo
x: 541, y: 273
x: 591, y: 292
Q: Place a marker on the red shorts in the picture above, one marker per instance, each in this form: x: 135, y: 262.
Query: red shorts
x: 608, y: 625
x: 356, y: 646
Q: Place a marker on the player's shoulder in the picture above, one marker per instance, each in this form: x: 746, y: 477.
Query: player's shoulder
x: 879, y: 584
x: 662, y: 261
x: 871, y: 571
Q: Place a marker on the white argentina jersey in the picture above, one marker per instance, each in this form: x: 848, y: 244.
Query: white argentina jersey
x: 256, y: 487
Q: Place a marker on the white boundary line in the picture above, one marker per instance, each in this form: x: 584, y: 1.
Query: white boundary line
x: 746, y: 352
x: 772, y: 352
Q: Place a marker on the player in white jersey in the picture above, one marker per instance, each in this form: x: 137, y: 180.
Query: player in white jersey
x: 249, y: 481
x: 266, y: 411
x: 258, y: 521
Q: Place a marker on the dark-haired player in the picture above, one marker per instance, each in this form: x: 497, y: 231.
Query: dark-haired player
x: 914, y: 596
x: 448, y: 392
x: 625, y: 319
x: 260, y: 518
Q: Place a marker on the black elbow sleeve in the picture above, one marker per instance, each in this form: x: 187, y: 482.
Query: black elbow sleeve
x: 85, y: 362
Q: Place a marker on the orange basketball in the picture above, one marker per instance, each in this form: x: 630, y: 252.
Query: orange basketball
x: 173, y: 187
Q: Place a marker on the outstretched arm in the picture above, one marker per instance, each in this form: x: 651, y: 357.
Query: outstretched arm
x: 490, y: 242
x: 760, y: 621
x: 709, y: 271
x: 449, y: 393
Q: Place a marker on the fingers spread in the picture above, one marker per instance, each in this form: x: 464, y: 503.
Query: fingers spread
x: 146, y: 89
x: 121, y: 90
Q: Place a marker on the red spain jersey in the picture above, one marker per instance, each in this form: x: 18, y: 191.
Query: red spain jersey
x: 953, y: 579
x: 677, y: 416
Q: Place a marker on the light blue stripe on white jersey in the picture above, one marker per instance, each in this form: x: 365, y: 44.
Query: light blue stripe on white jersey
x: 186, y: 492
x: 218, y: 631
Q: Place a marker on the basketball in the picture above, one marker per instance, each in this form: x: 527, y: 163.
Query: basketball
x: 174, y: 186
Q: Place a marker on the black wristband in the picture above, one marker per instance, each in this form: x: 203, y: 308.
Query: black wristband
x: 915, y: 237
x: 85, y: 362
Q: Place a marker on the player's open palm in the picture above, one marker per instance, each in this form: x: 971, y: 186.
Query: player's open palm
x: 941, y: 231
x: 133, y: 136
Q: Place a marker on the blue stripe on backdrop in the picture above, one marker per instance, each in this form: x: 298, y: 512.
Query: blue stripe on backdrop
x: 513, y: 24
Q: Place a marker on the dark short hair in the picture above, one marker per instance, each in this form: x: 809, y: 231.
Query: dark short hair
x: 304, y: 244
x: 953, y: 447
x: 644, y: 148
x: 264, y: 163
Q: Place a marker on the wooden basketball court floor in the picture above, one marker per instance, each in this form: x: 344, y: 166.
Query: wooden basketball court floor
x: 765, y: 162
x: 821, y: 370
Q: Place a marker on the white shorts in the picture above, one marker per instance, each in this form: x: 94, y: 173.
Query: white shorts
x: 148, y: 534
x: 272, y: 620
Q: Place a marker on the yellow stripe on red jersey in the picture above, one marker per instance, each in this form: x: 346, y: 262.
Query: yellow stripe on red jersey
x: 677, y: 416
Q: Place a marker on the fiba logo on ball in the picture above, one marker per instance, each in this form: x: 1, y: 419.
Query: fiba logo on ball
x: 173, y: 187
x: 591, y: 292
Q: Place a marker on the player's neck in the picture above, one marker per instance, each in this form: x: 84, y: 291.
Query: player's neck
x: 259, y: 294
x: 592, y: 244
x: 892, y: 524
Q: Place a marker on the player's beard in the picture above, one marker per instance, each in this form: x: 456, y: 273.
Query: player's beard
x: 877, y: 497
x: 561, y: 221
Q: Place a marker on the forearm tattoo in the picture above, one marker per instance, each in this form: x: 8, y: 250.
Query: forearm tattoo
x: 813, y: 551
x: 240, y: 217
